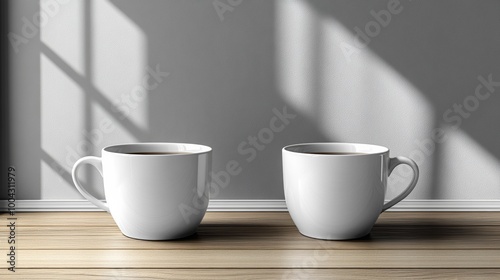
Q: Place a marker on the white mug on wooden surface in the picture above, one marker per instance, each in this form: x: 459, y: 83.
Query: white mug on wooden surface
x: 154, y: 191
x: 336, y: 190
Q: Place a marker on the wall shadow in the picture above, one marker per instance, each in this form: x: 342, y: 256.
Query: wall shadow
x: 222, y: 86
x: 4, y: 95
x: 441, y: 48
x: 20, y: 105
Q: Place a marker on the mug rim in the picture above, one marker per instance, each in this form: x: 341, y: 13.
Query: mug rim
x: 378, y: 150
x: 204, y: 149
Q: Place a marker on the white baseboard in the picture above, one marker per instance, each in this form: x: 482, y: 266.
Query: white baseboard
x: 261, y: 205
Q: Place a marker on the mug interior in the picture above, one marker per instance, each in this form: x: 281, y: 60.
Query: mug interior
x: 158, y: 148
x: 312, y: 148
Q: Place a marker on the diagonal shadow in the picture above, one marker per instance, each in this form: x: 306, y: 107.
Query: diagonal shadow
x: 94, y: 93
x: 224, y: 88
x: 57, y: 167
x: 87, y: 8
x: 437, y: 47
x: 415, y: 44
x: 438, y: 53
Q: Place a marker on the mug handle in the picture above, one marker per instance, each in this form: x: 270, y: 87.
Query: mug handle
x: 97, y: 163
x: 393, y: 162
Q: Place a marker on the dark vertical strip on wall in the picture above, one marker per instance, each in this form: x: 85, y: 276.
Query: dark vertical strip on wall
x: 4, y: 96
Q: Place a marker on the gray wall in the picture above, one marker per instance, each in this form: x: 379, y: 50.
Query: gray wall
x: 77, y: 84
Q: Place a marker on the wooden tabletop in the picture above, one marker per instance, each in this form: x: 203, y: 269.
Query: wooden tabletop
x: 255, y: 245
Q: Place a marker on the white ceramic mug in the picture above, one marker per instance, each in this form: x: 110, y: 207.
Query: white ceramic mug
x: 339, y: 196
x: 153, y: 196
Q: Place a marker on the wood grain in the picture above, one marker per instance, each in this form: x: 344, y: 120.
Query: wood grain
x: 256, y: 274
x: 258, y: 258
x: 264, y: 218
x: 257, y: 245
x: 42, y: 219
x: 264, y: 238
